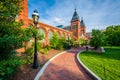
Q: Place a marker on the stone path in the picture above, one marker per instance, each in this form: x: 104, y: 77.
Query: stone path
x: 65, y: 67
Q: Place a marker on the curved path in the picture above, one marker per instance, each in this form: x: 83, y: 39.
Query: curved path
x: 65, y: 67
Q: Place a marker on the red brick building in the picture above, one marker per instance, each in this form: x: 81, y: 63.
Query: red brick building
x: 76, y: 29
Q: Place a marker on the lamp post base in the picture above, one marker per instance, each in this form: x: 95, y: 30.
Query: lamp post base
x: 35, y: 66
x: 35, y: 63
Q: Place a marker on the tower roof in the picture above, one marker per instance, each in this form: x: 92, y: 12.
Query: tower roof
x: 75, y: 16
x: 82, y: 22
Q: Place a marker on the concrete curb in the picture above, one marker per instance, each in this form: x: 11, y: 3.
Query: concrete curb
x: 93, y: 75
x: 46, y: 64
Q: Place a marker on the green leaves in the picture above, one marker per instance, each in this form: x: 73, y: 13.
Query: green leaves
x: 113, y: 35
x: 7, y: 67
x: 54, y: 41
x: 98, y: 38
x: 58, y: 43
x: 11, y: 32
x: 9, y: 9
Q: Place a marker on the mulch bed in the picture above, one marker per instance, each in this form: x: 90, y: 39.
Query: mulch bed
x: 26, y: 72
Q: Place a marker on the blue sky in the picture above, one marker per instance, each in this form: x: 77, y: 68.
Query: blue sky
x: 97, y: 14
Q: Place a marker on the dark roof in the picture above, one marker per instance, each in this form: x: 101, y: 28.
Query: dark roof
x: 89, y: 34
x: 66, y: 28
x: 82, y: 22
x: 60, y: 26
x: 75, y: 16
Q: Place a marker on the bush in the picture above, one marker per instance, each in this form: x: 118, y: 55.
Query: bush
x: 44, y: 51
x: 61, y: 43
x: 54, y: 41
x: 29, y: 51
x: 39, y: 46
x: 98, y: 39
x: 7, y: 67
x: 72, y: 42
x: 60, y: 46
x: 48, y: 47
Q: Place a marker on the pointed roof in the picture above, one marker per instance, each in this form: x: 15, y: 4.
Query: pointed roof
x: 75, y: 16
x: 82, y: 22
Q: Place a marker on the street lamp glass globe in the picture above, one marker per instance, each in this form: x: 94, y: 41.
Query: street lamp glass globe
x: 35, y: 16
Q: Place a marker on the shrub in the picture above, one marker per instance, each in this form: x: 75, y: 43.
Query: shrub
x: 7, y: 67
x: 39, y: 46
x: 29, y: 51
x: 28, y: 58
x: 98, y: 39
x: 72, y: 42
x: 61, y: 43
x: 48, y: 47
x: 44, y: 51
x: 60, y: 46
x: 54, y: 41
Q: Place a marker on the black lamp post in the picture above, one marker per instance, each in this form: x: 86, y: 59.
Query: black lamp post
x: 35, y: 17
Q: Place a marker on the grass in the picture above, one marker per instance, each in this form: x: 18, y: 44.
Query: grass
x: 105, y: 65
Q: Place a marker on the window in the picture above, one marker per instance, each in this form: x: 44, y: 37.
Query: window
x: 42, y: 34
x: 50, y: 34
x: 74, y: 27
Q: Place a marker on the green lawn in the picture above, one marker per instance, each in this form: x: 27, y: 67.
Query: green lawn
x: 105, y: 65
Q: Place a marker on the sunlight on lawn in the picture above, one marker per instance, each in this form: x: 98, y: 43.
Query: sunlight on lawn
x: 105, y: 65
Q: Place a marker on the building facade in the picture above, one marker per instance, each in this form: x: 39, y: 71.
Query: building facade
x: 76, y: 30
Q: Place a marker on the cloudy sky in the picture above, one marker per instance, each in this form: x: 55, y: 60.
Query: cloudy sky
x: 97, y: 14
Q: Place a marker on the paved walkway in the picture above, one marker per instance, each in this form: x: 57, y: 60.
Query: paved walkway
x: 65, y: 67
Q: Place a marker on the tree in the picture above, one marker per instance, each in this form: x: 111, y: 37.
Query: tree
x: 11, y: 33
x: 61, y: 43
x: 98, y: 39
x: 113, y: 35
x: 54, y: 41
x: 81, y: 41
x: 72, y: 42
x: 11, y: 37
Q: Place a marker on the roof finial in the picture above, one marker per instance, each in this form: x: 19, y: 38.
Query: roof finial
x: 75, y: 8
x: 75, y: 15
x: 81, y: 18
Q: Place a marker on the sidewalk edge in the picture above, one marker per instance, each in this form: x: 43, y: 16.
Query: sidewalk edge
x: 45, y: 66
x: 86, y: 68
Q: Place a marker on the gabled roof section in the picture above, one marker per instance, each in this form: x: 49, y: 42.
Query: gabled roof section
x: 75, y: 16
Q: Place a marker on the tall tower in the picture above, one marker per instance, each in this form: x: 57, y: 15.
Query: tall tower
x: 78, y: 27
x: 82, y: 29
x: 75, y: 25
x: 24, y: 13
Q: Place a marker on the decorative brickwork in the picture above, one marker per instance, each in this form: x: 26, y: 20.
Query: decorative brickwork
x: 78, y: 27
x: 24, y: 13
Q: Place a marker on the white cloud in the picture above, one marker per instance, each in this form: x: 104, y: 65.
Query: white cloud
x: 96, y: 13
x: 59, y: 21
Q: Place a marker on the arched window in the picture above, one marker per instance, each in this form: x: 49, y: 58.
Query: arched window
x: 67, y: 37
x: 58, y: 34
x: 50, y: 34
x: 42, y: 34
x: 63, y: 35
